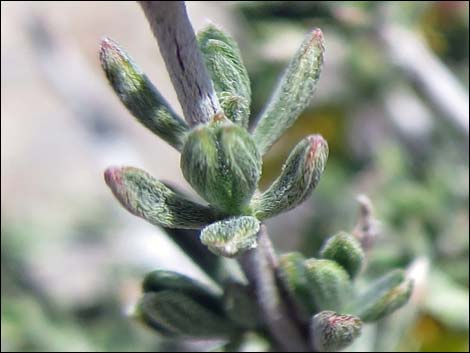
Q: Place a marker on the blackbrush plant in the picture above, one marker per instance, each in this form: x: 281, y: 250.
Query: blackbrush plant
x: 297, y: 304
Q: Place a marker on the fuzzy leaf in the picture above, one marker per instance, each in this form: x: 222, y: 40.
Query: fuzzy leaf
x: 231, y: 237
x: 386, y: 295
x: 300, y: 175
x: 294, y: 277
x: 329, y: 284
x: 241, y: 306
x: 159, y: 280
x: 140, y: 96
x: 293, y: 93
x: 231, y: 82
x: 331, y: 332
x: 346, y: 251
x: 146, y: 197
x: 181, y: 315
x: 222, y: 164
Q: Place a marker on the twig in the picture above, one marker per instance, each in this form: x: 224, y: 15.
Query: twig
x: 431, y: 76
x: 178, y: 46
x: 259, y: 266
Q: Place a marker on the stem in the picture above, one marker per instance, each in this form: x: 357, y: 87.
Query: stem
x: 178, y: 46
x: 259, y: 266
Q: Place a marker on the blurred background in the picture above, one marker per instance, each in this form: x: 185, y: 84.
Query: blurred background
x: 392, y: 102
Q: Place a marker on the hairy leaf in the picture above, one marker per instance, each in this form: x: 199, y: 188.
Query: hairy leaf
x: 231, y: 82
x: 329, y: 284
x: 293, y: 93
x: 232, y: 236
x: 146, y: 197
x: 332, y: 332
x: 346, y: 251
x: 139, y: 95
x: 300, y: 175
x: 222, y: 164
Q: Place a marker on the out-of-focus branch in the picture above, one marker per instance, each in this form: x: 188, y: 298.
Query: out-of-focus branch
x: 178, y: 46
x: 431, y: 76
x: 259, y: 266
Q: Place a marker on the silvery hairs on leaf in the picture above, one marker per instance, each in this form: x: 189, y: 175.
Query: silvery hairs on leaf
x: 229, y: 76
x: 293, y: 275
x: 180, y: 314
x: 383, y: 297
x: 331, y: 332
x: 293, y: 93
x: 146, y: 197
x: 329, y: 284
x: 346, y: 250
x: 222, y: 164
x: 299, y: 177
x: 231, y: 237
x: 140, y: 96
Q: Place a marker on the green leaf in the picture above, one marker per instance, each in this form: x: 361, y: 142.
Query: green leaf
x: 329, y: 284
x: 241, y: 306
x: 294, y: 278
x: 139, y: 95
x: 331, y: 332
x: 229, y: 76
x: 222, y: 164
x: 293, y: 93
x: 160, y: 280
x: 181, y: 315
x: 346, y: 251
x: 300, y: 175
x: 146, y: 197
x: 231, y: 237
x: 383, y: 297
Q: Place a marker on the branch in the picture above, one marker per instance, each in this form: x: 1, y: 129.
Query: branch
x: 259, y: 266
x: 178, y: 46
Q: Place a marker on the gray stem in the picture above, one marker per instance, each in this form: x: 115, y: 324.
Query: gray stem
x: 178, y: 46
x: 259, y: 266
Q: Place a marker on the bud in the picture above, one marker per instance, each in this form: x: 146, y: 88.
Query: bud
x: 293, y: 275
x: 231, y: 237
x: 140, y: 96
x: 293, y: 93
x: 231, y: 82
x: 329, y: 284
x: 300, y: 175
x: 159, y: 280
x: 241, y: 306
x: 146, y: 197
x: 386, y: 295
x: 331, y: 332
x: 179, y: 314
x: 222, y: 164
x: 346, y: 250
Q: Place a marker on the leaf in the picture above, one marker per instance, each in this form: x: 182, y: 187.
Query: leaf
x: 222, y: 164
x: 329, y: 284
x: 146, y: 197
x: 181, y: 315
x: 293, y: 93
x: 332, y: 332
x: 241, y: 306
x: 299, y: 177
x: 231, y: 237
x: 229, y: 76
x: 383, y: 297
x: 346, y: 250
x: 139, y: 95
x: 293, y: 275
x: 160, y: 280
